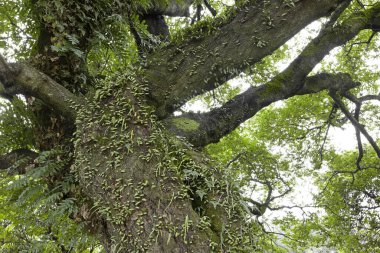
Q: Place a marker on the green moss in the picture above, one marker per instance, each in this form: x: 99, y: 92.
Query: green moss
x: 185, y: 124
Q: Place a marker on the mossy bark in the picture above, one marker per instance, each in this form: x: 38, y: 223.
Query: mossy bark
x: 148, y: 191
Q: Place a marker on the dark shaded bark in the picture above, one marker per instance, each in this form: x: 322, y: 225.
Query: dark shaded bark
x: 6, y: 74
x: 9, y: 159
x: 31, y: 82
x: 172, y: 8
x: 156, y: 25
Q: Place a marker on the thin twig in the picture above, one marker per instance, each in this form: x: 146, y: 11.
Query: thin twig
x: 278, y: 233
x: 362, y: 42
x: 328, y: 122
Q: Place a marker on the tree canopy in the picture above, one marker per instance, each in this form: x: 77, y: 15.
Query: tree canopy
x: 189, y: 125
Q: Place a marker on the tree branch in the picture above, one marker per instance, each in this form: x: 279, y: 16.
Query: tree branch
x: 292, y: 81
x: 172, y: 8
x: 354, y: 122
x: 209, y: 7
x: 7, y: 160
x: 29, y: 81
x: 215, y: 124
x: 358, y: 105
x: 6, y: 74
x: 210, y: 57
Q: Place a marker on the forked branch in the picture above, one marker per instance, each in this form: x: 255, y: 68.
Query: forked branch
x: 354, y: 121
x: 208, y: 58
x: 292, y: 81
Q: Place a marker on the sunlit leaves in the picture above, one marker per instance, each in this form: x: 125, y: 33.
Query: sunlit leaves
x: 16, y: 126
x: 350, y: 200
x: 17, y: 28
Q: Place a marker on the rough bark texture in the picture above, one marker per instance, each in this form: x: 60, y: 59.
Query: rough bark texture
x: 292, y: 81
x: 213, y: 125
x: 143, y: 188
x: 218, y: 53
x: 141, y: 182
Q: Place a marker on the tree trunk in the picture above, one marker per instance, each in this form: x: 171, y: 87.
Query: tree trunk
x: 148, y: 191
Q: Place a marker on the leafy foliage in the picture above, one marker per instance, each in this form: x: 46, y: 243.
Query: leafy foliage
x: 16, y: 126
x: 34, y: 217
x: 266, y: 158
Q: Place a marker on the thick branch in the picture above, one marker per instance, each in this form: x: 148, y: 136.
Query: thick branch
x: 179, y: 72
x: 215, y: 124
x: 29, y: 81
x: 6, y: 75
x: 292, y: 81
x: 7, y: 160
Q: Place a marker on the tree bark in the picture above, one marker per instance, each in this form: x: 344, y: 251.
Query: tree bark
x: 211, y: 56
x: 145, y: 189
x: 149, y: 192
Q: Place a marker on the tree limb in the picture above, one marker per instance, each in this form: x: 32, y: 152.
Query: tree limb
x: 7, y: 160
x: 209, y: 7
x: 215, y: 124
x: 292, y: 81
x: 6, y: 74
x: 354, y: 122
x: 29, y: 81
x: 211, y: 57
x: 358, y: 105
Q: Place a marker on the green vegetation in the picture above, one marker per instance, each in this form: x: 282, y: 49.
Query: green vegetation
x: 88, y: 162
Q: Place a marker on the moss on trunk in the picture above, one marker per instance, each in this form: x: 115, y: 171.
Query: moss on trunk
x: 148, y: 190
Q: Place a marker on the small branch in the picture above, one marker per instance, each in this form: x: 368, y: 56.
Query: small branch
x: 354, y: 122
x: 362, y: 42
x: 234, y: 159
x: 197, y: 14
x: 358, y: 137
x: 209, y: 7
x: 360, y: 4
x: 328, y: 122
x: 369, y: 97
x: 256, y: 209
x: 293, y: 207
x: 278, y: 233
x: 336, y: 14
x: 261, y: 207
x: 136, y: 36
x: 13, y: 23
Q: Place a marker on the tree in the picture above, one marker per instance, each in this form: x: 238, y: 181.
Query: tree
x: 95, y: 136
